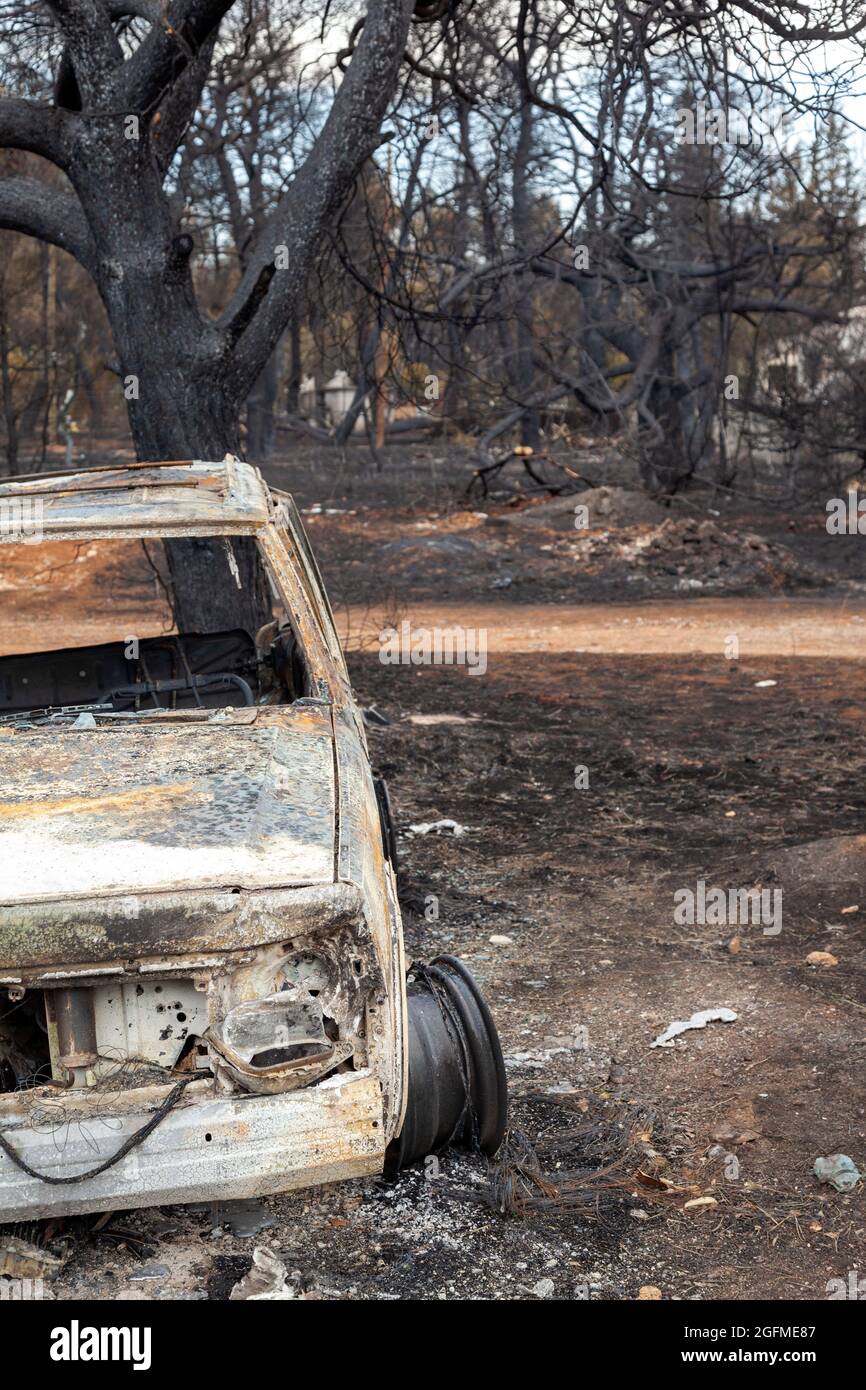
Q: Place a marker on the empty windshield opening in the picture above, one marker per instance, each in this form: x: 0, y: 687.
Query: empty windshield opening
x: 89, y: 625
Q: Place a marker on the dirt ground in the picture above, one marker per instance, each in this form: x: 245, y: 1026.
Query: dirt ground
x: 617, y: 748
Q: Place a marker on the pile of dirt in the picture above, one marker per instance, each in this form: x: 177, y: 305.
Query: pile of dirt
x: 699, y: 553
x: 605, y: 507
x: 834, y: 865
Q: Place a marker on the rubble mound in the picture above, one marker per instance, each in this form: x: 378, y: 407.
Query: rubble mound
x: 697, y: 553
x: 606, y: 507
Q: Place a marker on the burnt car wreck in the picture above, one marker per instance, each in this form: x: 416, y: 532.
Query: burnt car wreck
x: 202, y: 985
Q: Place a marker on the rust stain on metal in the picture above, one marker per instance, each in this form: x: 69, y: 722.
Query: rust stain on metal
x: 141, y: 800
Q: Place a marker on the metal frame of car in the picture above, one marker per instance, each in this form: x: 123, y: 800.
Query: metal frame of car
x: 215, y: 1141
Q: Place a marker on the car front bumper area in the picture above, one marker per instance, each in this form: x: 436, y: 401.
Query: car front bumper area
x: 209, y: 1146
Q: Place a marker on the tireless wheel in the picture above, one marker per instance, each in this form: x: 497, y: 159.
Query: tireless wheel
x: 458, y: 1093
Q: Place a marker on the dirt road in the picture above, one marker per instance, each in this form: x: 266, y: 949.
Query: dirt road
x: 795, y: 627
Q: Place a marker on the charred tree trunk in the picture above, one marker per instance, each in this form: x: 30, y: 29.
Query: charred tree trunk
x: 665, y: 463
x: 261, y: 426
x: 293, y: 387
x: 523, y: 372
x: 11, y: 464
x: 456, y: 333
x: 179, y: 401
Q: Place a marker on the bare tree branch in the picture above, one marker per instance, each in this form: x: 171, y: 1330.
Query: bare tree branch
x: 49, y: 214
x: 33, y: 126
x: 173, y: 44
x: 172, y: 117
x: 92, y: 46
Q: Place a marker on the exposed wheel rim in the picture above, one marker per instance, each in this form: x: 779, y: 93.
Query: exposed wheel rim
x: 458, y: 1092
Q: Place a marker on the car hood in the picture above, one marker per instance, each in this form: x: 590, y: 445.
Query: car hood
x: 172, y: 803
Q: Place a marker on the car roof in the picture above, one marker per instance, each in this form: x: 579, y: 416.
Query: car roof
x: 181, y: 497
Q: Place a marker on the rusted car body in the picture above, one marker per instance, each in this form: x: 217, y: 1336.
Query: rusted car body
x: 202, y: 983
